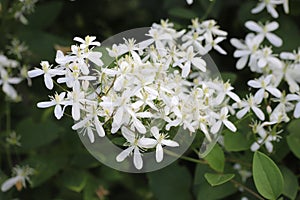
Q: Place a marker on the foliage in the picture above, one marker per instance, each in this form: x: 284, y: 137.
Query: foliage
x: 62, y: 168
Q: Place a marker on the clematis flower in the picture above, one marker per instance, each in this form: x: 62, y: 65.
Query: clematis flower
x: 48, y: 73
x: 21, y: 175
x: 57, y: 100
x: 160, y: 141
x: 264, y: 84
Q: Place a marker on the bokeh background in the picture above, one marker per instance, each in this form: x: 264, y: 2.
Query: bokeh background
x: 65, y: 170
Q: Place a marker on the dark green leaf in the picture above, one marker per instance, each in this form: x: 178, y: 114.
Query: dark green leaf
x: 74, y: 180
x: 37, y: 134
x: 203, y: 190
x: 45, y: 166
x: 236, y: 141
x: 45, y: 14
x: 216, y: 158
x: 291, y: 185
x: 293, y: 142
x: 182, y: 13
x: 218, y: 179
x: 267, y: 176
x: 172, y: 182
x: 229, y: 76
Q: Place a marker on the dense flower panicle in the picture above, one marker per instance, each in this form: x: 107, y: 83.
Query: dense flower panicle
x: 161, y: 78
x: 273, y: 69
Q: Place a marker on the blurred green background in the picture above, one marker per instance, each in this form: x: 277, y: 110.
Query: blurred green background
x: 65, y: 170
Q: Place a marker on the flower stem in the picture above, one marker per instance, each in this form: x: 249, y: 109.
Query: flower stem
x: 257, y: 196
x: 185, y: 157
x: 8, y: 130
x: 208, y: 10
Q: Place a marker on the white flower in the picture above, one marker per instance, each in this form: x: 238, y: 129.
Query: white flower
x: 57, y: 101
x: 246, y: 50
x: 87, y: 41
x: 160, y: 138
x: 190, y: 60
x: 264, y: 84
x: 265, y: 31
x: 134, y: 144
x: 7, y: 82
x: 222, y: 119
x: 265, y: 136
x: 294, y: 56
x: 246, y: 105
x: 265, y: 58
x: 19, y: 180
x: 213, y: 43
x: 48, y: 73
x: 269, y: 5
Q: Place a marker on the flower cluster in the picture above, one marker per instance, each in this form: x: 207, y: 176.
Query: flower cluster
x: 161, y: 78
x: 277, y: 73
x: 7, y: 76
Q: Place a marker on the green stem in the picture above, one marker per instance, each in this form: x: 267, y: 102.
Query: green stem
x: 257, y: 196
x: 208, y: 11
x: 185, y: 157
x: 8, y: 130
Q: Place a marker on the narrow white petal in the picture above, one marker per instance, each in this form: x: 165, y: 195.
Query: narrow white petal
x: 220, y: 50
x: 45, y: 104
x: 255, y: 146
x: 124, y: 154
x: 10, y: 183
x: 99, y: 127
x: 155, y: 132
x: 237, y: 43
x: 199, y: 63
x: 274, y: 39
x: 272, y: 26
x: 274, y: 91
x: 35, y: 72
x: 170, y: 143
x: 229, y: 125
x: 216, y: 127
x: 58, y: 111
x: 147, y: 142
x: 254, y: 84
x: 253, y: 26
x: 139, y: 126
x: 269, y: 146
x: 258, y: 8
x: 241, y: 63
x: 48, y: 81
x: 159, y: 153
x: 80, y: 124
x: 258, y: 113
x: 259, y: 95
x: 297, y: 111
x: 137, y: 158
x: 91, y: 134
x: 242, y: 112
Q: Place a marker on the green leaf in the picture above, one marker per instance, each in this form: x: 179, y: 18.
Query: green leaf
x: 293, y: 139
x: 172, y: 182
x: 294, y: 127
x: 45, y: 166
x: 236, y: 141
x: 203, y: 190
x: 34, y: 134
x: 218, y: 179
x: 74, y: 180
x: 216, y: 158
x: 229, y: 76
x: 291, y: 185
x: 293, y: 142
x: 182, y: 13
x: 45, y: 14
x: 267, y: 176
